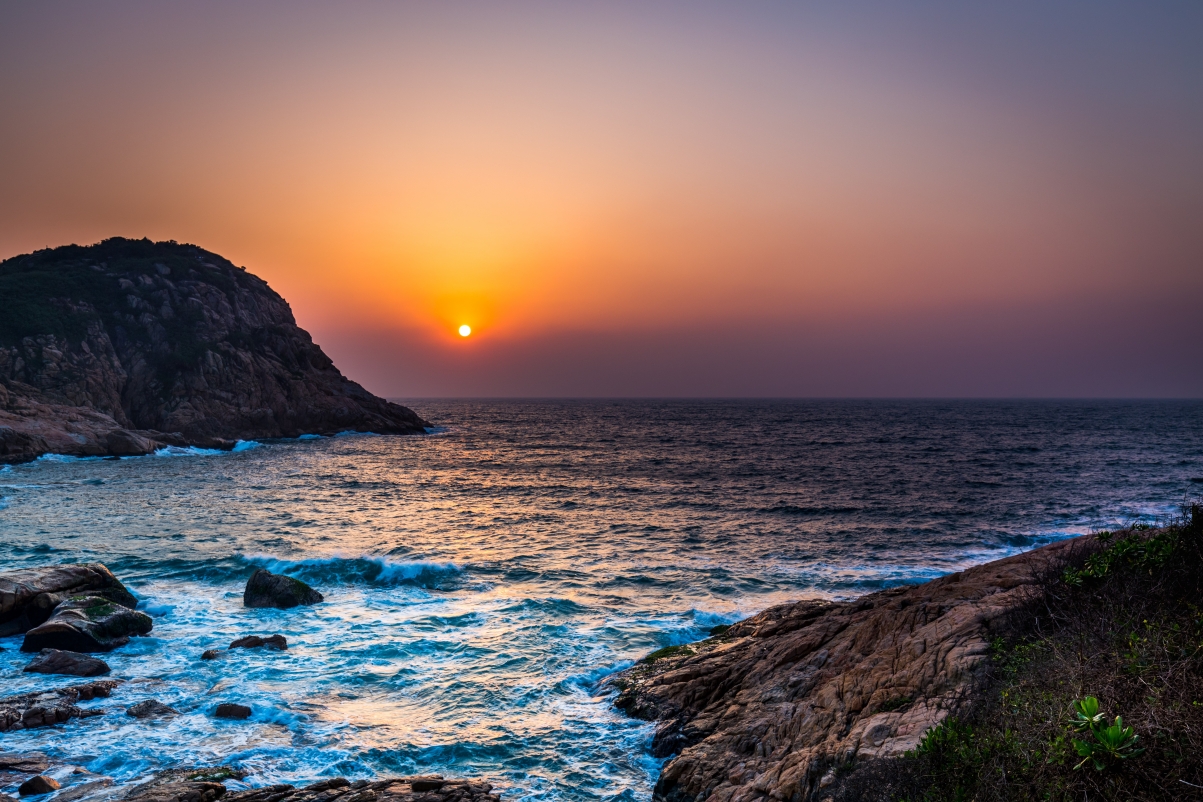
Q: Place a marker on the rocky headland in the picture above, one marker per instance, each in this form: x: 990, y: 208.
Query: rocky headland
x: 127, y: 346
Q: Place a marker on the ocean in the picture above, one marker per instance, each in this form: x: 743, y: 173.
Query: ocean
x: 482, y: 580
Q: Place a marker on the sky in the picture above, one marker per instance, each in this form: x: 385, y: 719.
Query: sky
x: 624, y: 199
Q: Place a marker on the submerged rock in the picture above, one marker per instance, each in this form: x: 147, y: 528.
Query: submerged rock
x: 87, y: 624
x: 277, y: 642
x: 40, y: 784
x: 211, y: 654
x: 265, y: 589
x: 47, y: 708
x: 774, y: 706
x: 151, y: 708
x: 231, y: 710
x: 55, y: 661
x: 28, y: 597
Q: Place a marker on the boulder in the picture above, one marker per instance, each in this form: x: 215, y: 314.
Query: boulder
x: 39, y: 784
x: 87, y: 624
x: 29, y: 596
x: 211, y: 654
x: 265, y: 589
x: 277, y: 642
x: 55, y: 661
x: 24, y: 762
x: 151, y: 708
x: 47, y: 708
x: 230, y: 710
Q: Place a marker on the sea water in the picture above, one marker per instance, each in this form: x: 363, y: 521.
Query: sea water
x: 481, y: 580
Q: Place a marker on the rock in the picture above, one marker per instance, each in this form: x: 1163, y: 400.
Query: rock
x: 151, y: 708
x: 204, y: 785
x: 83, y: 790
x: 54, y: 661
x: 39, y: 784
x: 135, y: 358
x: 265, y: 589
x: 211, y: 654
x: 277, y: 642
x: 29, y: 596
x: 230, y: 710
x: 87, y: 624
x: 767, y: 708
x: 47, y: 708
x: 24, y: 762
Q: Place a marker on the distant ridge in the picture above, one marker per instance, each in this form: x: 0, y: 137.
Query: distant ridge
x: 126, y: 346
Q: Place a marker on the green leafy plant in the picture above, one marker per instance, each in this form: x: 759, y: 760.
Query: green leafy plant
x: 1110, y: 745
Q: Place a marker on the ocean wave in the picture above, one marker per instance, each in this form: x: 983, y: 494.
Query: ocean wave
x: 361, y: 570
x: 65, y: 458
x: 186, y: 451
x: 309, y: 437
x: 356, y: 434
x: 246, y: 445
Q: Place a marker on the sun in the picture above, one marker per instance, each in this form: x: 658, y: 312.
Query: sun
x: 465, y: 330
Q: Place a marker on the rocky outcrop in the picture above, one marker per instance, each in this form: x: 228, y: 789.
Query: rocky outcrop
x: 276, y: 642
x: 54, y: 661
x: 772, y: 707
x: 29, y: 596
x: 204, y: 785
x: 127, y: 346
x: 38, y: 785
x: 47, y: 708
x: 151, y: 708
x: 87, y: 624
x: 232, y: 710
x: 265, y: 589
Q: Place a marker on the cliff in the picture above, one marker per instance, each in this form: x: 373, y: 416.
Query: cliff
x: 128, y: 345
x: 776, y: 706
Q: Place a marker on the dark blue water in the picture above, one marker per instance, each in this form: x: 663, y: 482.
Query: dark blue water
x: 480, y: 580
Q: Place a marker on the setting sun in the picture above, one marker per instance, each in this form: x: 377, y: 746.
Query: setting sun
x: 465, y: 330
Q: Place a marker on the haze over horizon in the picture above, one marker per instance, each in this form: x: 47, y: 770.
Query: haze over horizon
x: 660, y: 200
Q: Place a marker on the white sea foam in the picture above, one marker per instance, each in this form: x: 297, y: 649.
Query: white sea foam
x: 310, y: 437
x: 365, y: 568
x: 186, y: 451
x: 65, y: 458
x: 246, y: 445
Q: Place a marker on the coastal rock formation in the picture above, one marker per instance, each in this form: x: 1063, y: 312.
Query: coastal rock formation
x: 87, y: 624
x: 265, y: 589
x: 40, y: 784
x: 231, y: 710
x: 127, y: 346
x: 47, y: 708
x: 54, y: 661
x: 277, y: 642
x: 151, y: 708
x: 205, y: 786
x: 773, y: 706
x: 29, y: 596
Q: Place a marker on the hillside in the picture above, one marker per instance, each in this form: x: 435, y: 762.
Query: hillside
x: 128, y: 345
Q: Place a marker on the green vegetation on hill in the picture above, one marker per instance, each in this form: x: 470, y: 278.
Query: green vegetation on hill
x: 42, y: 292
x: 1123, y: 626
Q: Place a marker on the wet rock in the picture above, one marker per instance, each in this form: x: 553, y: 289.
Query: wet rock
x: 83, y: 790
x: 765, y: 709
x: 55, y: 661
x: 231, y: 710
x: 7, y: 798
x: 87, y: 624
x: 47, y: 708
x: 28, y: 597
x: 278, y: 642
x: 151, y: 708
x: 204, y: 785
x: 24, y: 762
x: 265, y: 589
x: 211, y: 654
x: 37, y: 785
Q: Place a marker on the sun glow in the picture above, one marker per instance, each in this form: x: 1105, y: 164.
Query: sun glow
x: 465, y: 330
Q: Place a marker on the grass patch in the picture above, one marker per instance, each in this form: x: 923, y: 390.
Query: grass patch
x: 667, y: 651
x: 1097, y: 693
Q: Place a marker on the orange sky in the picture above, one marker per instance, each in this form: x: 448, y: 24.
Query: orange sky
x: 817, y: 188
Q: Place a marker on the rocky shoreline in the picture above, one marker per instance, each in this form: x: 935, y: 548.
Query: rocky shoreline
x: 774, y: 707
x: 129, y: 346
x: 777, y: 706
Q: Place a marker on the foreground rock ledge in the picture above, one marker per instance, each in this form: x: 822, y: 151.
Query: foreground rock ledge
x: 206, y: 786
x: 771, y: 707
